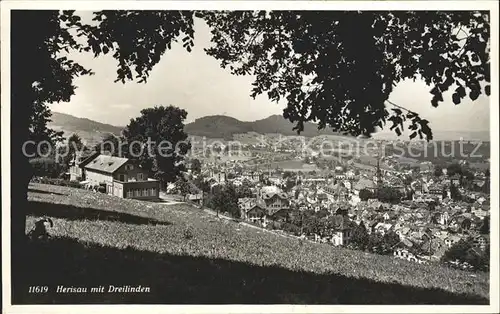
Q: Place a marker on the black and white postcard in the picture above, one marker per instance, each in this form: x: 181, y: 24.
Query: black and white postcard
x: 249, y: 156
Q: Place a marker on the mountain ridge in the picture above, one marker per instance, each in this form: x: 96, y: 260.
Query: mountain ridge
x: 222, y: 126
x: 214, y: 126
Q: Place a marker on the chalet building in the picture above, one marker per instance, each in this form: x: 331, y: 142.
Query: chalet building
x: 122, y: 177
x: 270, y: 204
x: 252, y: 209
x: 277, y: 205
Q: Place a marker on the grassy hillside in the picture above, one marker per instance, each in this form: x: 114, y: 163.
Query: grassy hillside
x: 188, y: 256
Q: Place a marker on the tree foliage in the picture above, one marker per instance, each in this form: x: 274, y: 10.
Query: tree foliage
x: 157, y: 139
x: 196, y: 166
x: 225, y: 200
x: 360, y: 237
x: 389, y: 194
x: 183, y: 186
x: 245, y: 189
x: 464, y: 252
x: 68, y: 151
x: 365, y: 194
x: 45, y: 167
x: 455, y: 193
x: 202, y: 184
x: 112, y: 145
x: 485, y: 226
x: 339, y: 68
x: 39, y: 131
x: 453, y: 169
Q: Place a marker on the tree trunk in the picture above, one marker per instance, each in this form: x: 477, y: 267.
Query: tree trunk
x: 22, y: 98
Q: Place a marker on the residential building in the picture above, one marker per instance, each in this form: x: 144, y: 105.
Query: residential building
x: 122, y: 177
x: 364, y: 183
x: 251, y: 209
x: 342, y: 230
x: 481, y: 241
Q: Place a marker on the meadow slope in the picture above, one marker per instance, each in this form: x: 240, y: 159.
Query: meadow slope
x: 188, y: 256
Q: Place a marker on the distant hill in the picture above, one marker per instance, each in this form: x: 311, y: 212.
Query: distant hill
x: 219, y: 126
x: 89, y: 130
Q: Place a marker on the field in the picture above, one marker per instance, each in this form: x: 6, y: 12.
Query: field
x: 186, y: 255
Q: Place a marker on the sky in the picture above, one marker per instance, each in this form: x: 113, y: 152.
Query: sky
x: 195, y: 82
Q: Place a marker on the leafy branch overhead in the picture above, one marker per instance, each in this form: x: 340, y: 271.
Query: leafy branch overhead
x: 137, y: 39
x: 339, y: 68
x: 334, y: 68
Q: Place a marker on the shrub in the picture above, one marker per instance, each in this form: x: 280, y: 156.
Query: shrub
x: 45, y: 167
x: 57, y: 181
x: 188, y: 234
x: 291, y: 228
x: 365, y: 194
x: 101, y: 188
x: 74, y: 184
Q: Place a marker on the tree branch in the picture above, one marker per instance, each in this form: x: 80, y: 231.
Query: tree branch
x: 257, y: 33
x: 402, y: 108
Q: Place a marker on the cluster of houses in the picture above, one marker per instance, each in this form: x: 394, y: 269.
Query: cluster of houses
x: 415, y: 221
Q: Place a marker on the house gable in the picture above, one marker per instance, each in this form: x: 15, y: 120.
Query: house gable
x: 131, y: 171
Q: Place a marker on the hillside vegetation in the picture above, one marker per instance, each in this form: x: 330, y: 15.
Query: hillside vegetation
x: 186, y: 255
